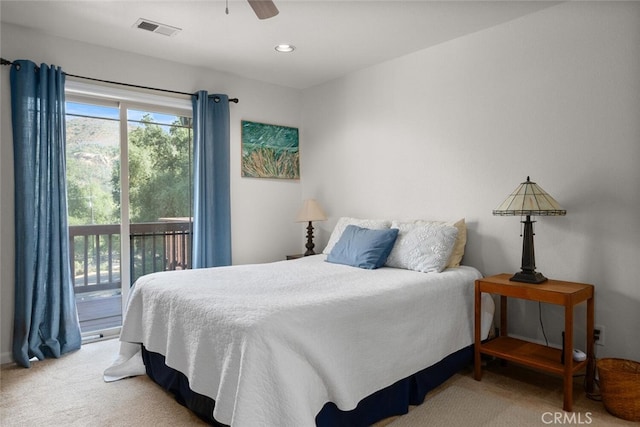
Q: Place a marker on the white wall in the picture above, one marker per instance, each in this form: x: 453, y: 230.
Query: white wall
x: 450, y: 131
x: 262, y: 210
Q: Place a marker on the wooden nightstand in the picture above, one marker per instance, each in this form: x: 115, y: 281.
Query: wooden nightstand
x: 567, y: 294
x: 296, y: 256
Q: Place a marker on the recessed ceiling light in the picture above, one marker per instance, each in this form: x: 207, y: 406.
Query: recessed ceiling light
x: 285, y: 48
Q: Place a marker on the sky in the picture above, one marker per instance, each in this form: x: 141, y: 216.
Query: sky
x: 106, y: 112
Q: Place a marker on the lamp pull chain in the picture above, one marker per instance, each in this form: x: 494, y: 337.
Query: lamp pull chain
x: 521, y: 225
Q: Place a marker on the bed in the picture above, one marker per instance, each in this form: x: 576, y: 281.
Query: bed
x: 303, y: 342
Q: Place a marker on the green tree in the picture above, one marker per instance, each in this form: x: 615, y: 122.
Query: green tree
x: 89, y: 194
x: 159, y: 171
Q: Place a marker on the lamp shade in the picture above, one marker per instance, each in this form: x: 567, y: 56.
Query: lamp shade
x: 529, y: 199
x: 310, y: 211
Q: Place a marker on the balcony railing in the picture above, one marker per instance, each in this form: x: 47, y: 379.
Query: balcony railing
x: 159, y: 246
x: 95, y: 252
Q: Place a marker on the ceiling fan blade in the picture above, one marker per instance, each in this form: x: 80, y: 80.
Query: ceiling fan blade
x: 264, y: 9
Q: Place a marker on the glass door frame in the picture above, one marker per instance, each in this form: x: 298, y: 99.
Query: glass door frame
x: 124, y: 99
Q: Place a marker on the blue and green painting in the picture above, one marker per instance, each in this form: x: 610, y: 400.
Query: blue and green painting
x: 270, y: 151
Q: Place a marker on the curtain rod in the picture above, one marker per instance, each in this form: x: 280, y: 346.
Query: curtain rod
x: 235, y: 100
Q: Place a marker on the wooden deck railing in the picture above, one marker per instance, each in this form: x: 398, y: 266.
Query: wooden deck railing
x: 159, y: 246
x: 95, y: 252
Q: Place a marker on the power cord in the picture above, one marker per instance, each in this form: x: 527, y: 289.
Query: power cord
x: 593, y: 395
x: 542, y: 324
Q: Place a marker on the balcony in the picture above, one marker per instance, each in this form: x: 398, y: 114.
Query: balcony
x: 95, y: 254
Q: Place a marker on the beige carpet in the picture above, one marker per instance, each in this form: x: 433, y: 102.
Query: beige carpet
x: 505, y: 397
x: 70, y: 392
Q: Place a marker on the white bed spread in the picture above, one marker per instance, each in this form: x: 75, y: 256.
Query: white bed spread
x: 272, y: 343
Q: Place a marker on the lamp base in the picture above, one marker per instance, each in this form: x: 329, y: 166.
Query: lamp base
x: 309, y: 244
x: 528, y: 277
x: 527, y: 272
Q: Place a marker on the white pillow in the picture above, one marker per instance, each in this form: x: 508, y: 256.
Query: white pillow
x: 372, y: 224
x: 458, y: 250
x: 422, y: 247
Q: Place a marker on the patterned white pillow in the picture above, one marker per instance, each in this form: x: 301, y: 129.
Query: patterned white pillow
x: 372, y: 224
x: 458, y: 249
x: 422, y: 247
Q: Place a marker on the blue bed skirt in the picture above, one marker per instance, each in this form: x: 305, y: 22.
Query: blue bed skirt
x: 390, y: 401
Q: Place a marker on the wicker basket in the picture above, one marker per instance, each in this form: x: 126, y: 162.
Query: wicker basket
x: 620, y: 387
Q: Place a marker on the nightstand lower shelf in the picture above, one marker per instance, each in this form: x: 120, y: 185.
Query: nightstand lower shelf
x: 528, y: 354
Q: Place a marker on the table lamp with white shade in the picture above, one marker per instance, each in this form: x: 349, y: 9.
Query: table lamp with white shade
x: 529, y: 200
x: 309, y: 212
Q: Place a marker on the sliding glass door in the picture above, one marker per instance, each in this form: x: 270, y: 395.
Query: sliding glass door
x: 93, y: 154
x: 129, y: 188
x: 160, y: 181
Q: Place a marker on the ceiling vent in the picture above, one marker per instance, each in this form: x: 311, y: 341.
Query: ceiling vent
x: 156, y: 27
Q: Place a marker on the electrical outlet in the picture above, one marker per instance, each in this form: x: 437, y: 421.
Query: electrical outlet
x: 598, y: 335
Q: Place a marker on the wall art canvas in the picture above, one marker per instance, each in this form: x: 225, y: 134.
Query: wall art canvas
x: 270, y: 151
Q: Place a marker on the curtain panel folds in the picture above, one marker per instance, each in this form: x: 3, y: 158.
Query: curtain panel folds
x: 45, y: 318
x: 212, y: 199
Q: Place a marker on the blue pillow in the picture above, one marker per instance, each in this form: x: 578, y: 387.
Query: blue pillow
x: 362, y: 247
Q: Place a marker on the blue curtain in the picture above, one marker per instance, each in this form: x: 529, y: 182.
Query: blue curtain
x: 211, y: 187
x: 45, y: 319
